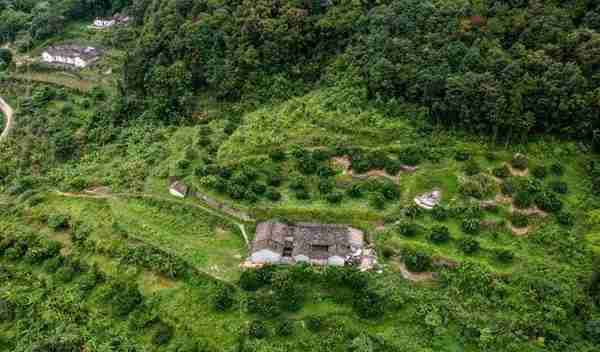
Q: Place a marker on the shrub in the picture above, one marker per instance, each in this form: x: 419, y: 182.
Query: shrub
x: 565, y: 218
x: 274, y: 180
x: 58, y: 222
x: 302, y: 194
x: 259, y: 188
x: 322, y: 154
x: 326, y: 185
x: 355, y: 191
x: 468, y: 245
x: 252, y: 280
x: 297, y: 182
x: 559, y: 187
x: 390, y: 191
x: 416, y: 261
x: 7, y: 311
x: 548, y: 201
x: 377, y: 201
x: 408, y: 229
x: 557, y: 169
x: 164, y: 333
x: 257, y: 329
x: 124, y: 297
x: 523, y: 199
x: 53, y: 264
x: 491, y: 156
x: 335, y: 197
x: 325, y: 171
x: 285, y: 328
x: 223, y: 298
x: 501, y: 171
x: 314, y: 323
x: 462, y: 155
x: 413, y: 211
x: 470, y: 226
x: 509, y: 186
x: 307, y: 165
x: 392, y: 166
x: 369, y: 304
x: 439, y: 234
x: 592, y: 331
x: 272, y: 194
x: 388, y: 252
x: 440, y: 212
x: 472, y: 167
x: 504, y: 255
x: 519, y: 220
x: 539, y: 171
x: 277, y: 155
x: 519, y: 161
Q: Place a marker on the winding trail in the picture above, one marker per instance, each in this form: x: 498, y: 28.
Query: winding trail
x: 8, y: 115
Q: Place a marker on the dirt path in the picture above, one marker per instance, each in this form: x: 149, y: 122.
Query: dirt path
x: 8, y: 115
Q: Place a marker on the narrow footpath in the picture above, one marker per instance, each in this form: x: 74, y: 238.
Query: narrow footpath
x: 8, y: 116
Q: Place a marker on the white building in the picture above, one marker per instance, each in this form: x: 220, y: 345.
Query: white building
x: 71, y: 55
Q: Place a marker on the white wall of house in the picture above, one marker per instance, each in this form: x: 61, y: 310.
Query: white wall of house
x: 265, y: 256
x: 75, y: 61
x: 336, y: 260
x: 301, y: 258
x: 176, y: 193
x: 104, y: 23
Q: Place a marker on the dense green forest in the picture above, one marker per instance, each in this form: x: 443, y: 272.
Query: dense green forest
x: 330, y: 111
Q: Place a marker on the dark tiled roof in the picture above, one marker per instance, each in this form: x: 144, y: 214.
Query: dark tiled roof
x: 316, y: 241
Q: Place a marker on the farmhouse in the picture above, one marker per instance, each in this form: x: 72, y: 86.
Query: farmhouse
x: 321, y: 244
x: 102, y: 23
x: 71, y: 55
x: 178, y: 189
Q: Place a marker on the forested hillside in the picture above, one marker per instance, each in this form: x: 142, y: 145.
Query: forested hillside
x: 505, y: 68
x: 460, y: 136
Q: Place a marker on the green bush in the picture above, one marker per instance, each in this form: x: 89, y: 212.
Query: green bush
x: 58, y: 222
x: 302, y: 194
x: 592, y: 331
x: 392, y: 167
x: 439, y: 234
x: 223, y: 298
x: 501, y: 171
x: 468, y: 245
x: 285, y: 328
x: 355, y: 191
x: 557, y: 169
x: 416, y: 261
x: 326, y: 185
x: 539, y: 172
x: 369, y: 304
x: 272, y: 194
x: 472, y: 167
x: 313, y: 323
x: 462, y: 155
x: 277, y: 155
x: 408, y: 229
x: 334, y: 197
x: 164, y: 334
x: 440, y: 212
x: 559, y: 187
x: 510, y: 186
x: 123, y: 297
x: 519, y: 220
x: 390, y: 191
x: 519, y: 162
x: 523, y: 200
x: 377, y: 201
x: 565, y: 218
x: 7, y: 311
x: 504, y: 255
x: 470, y: 226
x: 549, y: 202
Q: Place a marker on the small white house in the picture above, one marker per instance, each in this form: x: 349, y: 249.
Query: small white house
x: 178, y: 189
x: 71, y: 55
x: 104, y: 23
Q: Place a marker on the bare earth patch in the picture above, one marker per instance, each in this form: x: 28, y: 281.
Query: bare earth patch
x: 519, y: 231
x: 504, y: 199
x: 414, y: 277
x: 516, y: 172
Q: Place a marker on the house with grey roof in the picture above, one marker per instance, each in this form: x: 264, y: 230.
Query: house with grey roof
x: 320, y: 244
x: 71, y: 55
